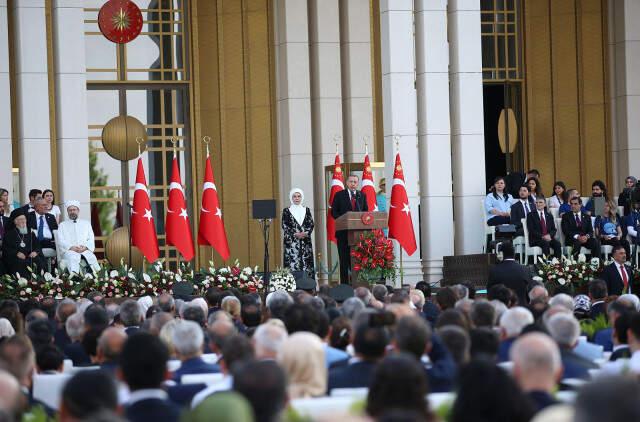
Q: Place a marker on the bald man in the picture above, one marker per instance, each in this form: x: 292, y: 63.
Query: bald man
x: 10, y: 396
x: 110, y: 345
x: 537, y: 367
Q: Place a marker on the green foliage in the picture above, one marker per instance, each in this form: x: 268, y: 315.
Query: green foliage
x: 106, y: 210
x: 590, y: 326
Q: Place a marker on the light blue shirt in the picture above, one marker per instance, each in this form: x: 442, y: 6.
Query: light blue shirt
x: 491, y: 203
x: 588, y: 350
x: 332, y: 355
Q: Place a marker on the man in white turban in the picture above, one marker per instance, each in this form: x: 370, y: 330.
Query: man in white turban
x: 76, y: 241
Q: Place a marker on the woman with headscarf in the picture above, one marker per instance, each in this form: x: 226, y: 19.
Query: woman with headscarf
x: 306, y: 371
x: 297, y: 226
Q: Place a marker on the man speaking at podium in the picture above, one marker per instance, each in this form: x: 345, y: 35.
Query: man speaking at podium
x: 345, y: 201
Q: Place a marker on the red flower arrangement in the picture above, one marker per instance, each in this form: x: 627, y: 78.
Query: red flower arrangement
x: 373, y: 257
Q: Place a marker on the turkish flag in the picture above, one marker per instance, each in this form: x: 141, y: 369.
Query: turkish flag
x: 368, y: 187
x: 400, y: 224
x: 143, y: 229
x: 337, y: 184
x: 211, y: 231
x: 178, y: 227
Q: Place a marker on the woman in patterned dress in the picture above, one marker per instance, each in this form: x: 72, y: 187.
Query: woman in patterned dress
x: 297, y: 226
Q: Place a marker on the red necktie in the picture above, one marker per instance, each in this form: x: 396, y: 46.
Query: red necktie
x: 625, y: 280
x: 353, y: 202
x: 543, y: 224
x: 578, y: 222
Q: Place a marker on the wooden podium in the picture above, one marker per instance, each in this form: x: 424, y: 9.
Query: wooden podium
x: 358, y: 222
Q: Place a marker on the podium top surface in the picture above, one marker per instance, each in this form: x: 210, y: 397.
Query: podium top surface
x: 366, y: 220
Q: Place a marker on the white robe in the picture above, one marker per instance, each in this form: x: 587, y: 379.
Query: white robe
x: 72, y: 234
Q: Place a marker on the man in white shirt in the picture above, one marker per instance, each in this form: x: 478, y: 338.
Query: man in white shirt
x: 76, y: 240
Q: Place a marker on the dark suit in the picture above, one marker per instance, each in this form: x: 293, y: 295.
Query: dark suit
x: 598, y: 308
x: 152, y: 410
x: 621, y: 353
x: 340, y: 206
x: 50, y: 220
x: 534, y: 227
x: 77, y: 354
x: 194, y: 366
x: 131, y: 330
x: 611, y: 276
x: 575, y: 366
x: 518, y: 212
x: 570, y: 229
x: 513, y: 275
x: 603, y: 338
x: 541, y: 399
x: 352, y: 375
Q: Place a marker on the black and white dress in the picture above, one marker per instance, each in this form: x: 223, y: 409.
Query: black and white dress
x: 298, y: 253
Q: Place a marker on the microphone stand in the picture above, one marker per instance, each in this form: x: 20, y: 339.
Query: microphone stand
x: 265, y: 224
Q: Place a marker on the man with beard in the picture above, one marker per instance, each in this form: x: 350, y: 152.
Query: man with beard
x: 598, y: 190
x: 20, y: 248
x: 76, y: 240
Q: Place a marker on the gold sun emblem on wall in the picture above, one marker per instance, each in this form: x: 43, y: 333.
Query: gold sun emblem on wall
x: 121, y: 20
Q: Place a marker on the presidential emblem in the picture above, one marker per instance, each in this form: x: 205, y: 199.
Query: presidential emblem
x: 120, y: 21
x: 367, y: 218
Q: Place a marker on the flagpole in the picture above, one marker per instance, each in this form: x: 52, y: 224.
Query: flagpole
x: 207, y: 139
x: 396, y: 138
x: 365, y: 138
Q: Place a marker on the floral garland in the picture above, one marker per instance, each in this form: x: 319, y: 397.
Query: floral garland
x: 568, y: 272
x: 245, y: 280
x: 282, y: 279
x: 373, y: 257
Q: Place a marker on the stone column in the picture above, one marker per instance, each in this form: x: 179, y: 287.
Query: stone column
x: 400, y: 114
x: 624, y: 47
x: 467, y: 124
x: 357, y: 89
x: 6, y: 161
x: 434, y: 135
x: 326, y: 105
x: 32, y: 93
x: 71, y: 104
x: 293, y: 93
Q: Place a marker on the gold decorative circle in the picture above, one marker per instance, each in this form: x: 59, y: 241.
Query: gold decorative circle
x: 121, y: 136
x: 338, y: 170
x: 399, y: 168
x: 117, y: 249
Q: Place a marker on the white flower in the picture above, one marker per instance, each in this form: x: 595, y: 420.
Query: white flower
x: 247, y: 270
x: 212, y: 270
x: 561, y: 281
x: 536, y: 278
x: 113, y: 273
x: 146, y: 277
x: 554, y: 261
x: 88, y: 276
x: 48, y: 276
x: 28, y: 290
x: 582, y: 258
x: 178, y: 278
x: 131, y: 275
x: 22, y: 282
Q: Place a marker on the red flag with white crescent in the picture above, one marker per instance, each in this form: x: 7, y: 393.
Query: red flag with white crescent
x: 368, y: 188
x: 337, y: 184
x: 143, y: 229
x: 211, y: 231
x: 178, y: 227
x: 400, y: 223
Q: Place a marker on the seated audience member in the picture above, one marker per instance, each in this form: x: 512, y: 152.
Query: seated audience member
x: 537, y: 367
x: 188, y: 343
x: 251, y: 315
x: 11, y: 399
x: 578, y: 231
x: 380, y: 293
x: 566, y: 207
x: 109, y: 347
x: 277, y: 303
x: 542, y: 230
x: 609, y: 399
x: 306, y: 372
x: 76, y: 241
x: 21, y: 248
x: 193, y: 312
x: 457, y: 342
x: 520, y: 209
x: 535, y: 190
x: 413, y: 335
x: 370, y: 339
x: 632, y: 221
x: 157, y: 321
x: 618, y: 275
x: 608, y: 227
x: 620, y: 337
x: 484, y: 344
x: 625, y: 198
x: 563, y: 300
x: 219, y: 331
x: 130, y: 316
x: 417, y: 300
x: 233, y: 307
x: 6, y: 329
x: 44, y: 225
x: 75, y: 327
x: 225, y: 406
x: 34, y: 195
x: 267, y: 341
x: 398, y: 383
x: 64, y: 310
x: 87, y: 395
x: 564, y: 329
x: 49, y: 359
x: 499, y: 294
x: 264, y: 385
x: 446, y: 299
x: 340, y: 333
x: 539, y: 293
x: 512, y: 322
x: 581, y: 307
x: 559, y: 196
x: 598, y: 190
x: 498, y: 400
x: 332, y: 355
x: 452, y: 317
x: 40, y: 333
x: 510, y: 274
x: 50, y: 199
x: 497, y: 204
x: 614, y: 310
x: 430, y: 310
x: 167, y: 303
x: 461, y: 291
x: 237, y: 351
x: 598, y: 294
x: 483, y: 314
x: 350, y: 308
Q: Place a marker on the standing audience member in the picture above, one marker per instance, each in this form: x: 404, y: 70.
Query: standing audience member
x: 618, y: 275
x: 510, y: 274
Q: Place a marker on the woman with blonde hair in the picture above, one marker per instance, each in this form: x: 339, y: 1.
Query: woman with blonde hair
x: 302, y: 358
x: 608, y: 227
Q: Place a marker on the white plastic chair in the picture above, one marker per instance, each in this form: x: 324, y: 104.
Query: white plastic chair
x: 519, y: 247
x: 48, y: 388
x: 555, y: 212
x: 606, y: 250
x: 173, y: 364
x: 350, y: 392
x: 323, y: 407
x: 208, y: 379
x: 488, y: 230
x: 210, y: 357
x: 534, y: 251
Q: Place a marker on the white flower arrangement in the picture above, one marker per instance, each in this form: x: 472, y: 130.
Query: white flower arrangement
x: 282, y: 279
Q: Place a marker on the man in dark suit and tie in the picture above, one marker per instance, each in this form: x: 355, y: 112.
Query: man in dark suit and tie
x: 510, y: 273
x: 44, y: 224
x: 350, y: 199
x: 143, y: 364
x: 618, y: 275
x: 34, y: 195
x: 520, y: 209
x: 578, y: 231
x: 598, y: 293
x: 542, y: 229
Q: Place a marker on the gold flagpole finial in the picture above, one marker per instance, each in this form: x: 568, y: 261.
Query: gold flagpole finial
x: 396, y: 139
x: 365, y: 138
x: 336, y: 139
x: 207, y: 140
x: 140, y: 142
x: 174, y: 142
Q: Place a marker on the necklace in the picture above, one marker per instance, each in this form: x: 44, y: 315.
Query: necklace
x: 22, y: 244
